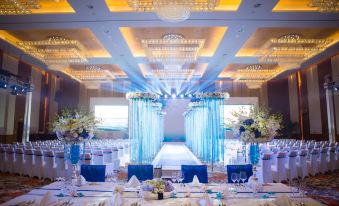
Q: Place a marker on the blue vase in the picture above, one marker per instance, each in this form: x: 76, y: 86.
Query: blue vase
x: 254, y: 153
x: 75, y: 153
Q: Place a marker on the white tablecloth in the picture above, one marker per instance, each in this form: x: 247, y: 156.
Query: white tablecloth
x: 102, y: 192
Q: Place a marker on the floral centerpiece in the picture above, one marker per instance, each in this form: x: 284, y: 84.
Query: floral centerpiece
x: 158, y: 187
x: 257, y: 126
x: 73, y: 127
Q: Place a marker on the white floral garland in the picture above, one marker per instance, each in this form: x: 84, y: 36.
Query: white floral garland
x: 219, y: 95
x: 141, y: 95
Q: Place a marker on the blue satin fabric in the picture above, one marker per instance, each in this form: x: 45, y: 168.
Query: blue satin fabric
x: 142, y: 172
x: 93, y: 173
x: 237, y: 169
x: 146, y: 130
x: 188, y: 172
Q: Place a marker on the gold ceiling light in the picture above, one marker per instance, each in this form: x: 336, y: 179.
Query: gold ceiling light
x: 291, y: 50
x: 55, y: 50
x: 90, y: 75
x: 172, y: 49
x: 20, y: 7
x: 254, y: 75
x: 327, y: 6
x: 174, y: 10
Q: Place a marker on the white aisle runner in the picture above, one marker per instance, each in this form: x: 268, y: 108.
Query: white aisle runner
x: 174, y: 154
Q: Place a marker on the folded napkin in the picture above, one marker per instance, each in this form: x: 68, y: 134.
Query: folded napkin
x: 284, y: 200
x: 206, y: 200
x: 81, y: 181
x: 117, y: 199
x: 133, y: 182
x: 255, y: 185
x: 48, y: 200
x: 195, y: 181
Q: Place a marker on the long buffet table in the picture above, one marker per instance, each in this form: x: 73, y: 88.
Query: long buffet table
x: 93, y: 194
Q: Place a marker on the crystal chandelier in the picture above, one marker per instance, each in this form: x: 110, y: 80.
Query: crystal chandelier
x: 254, y: 75
x: 291, y: 50
x: 172, y: 49
x: 90, y: 75
x: 55, y: 50
x: 326, y: 6
x: 19, y: 7
x: 174, y: 10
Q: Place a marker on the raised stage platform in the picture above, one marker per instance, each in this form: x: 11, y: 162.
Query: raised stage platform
x: 172, y: 155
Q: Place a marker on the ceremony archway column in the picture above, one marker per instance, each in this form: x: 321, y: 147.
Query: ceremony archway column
x: 145, y: 126
x: 204, y: 123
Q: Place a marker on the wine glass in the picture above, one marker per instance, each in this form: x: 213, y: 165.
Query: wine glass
x: 180, y: 177
x: 114, y: 176
x: 234, y: 177
x: 238, y: 178
x: 243, y: 176
x: 174, y: 177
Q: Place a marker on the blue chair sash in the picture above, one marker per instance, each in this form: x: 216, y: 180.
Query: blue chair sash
x: 142, y: 172
x: 94, y: 173
x: 237, y: 169
x: 188, y: 172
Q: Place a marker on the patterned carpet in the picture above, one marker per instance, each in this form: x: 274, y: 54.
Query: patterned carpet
x: 324, y: 188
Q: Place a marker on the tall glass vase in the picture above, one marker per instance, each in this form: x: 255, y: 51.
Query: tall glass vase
x: 74, y: 157
x: 254, y: 153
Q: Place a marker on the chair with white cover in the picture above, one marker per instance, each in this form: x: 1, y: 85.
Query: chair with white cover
x: 49, y: 171
x: 302, y: 164
x: 279, y: 171
x: 10, y: 160
x: 126, y: 148
x: 115, y: 153
x: 312, y: 164
x: 59, y: 164
x: 29, y: 162
x: 267, y: 168
x: 38, y: 164
x: 331, y: 159
x: 274, y: 156
x: 19, y: 161
x: 322, y: 162
x: 107, y: 155
x: 120, y: 151
x: 291, y: 168
x: 3, y: 159
x: 97, y: 157
x: 88, y: 159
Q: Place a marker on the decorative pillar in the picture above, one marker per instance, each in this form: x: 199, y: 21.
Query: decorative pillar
x: 145, y: 125
x: 27, y: 118
x: 329, y: 86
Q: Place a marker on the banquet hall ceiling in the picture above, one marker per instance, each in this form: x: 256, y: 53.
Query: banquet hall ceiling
x: 111, y: 42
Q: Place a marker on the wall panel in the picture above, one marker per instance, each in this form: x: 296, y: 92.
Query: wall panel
x: 314, y: 100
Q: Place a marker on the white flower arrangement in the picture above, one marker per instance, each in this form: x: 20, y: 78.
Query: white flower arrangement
x: 219, y: 95
x: 74, y: 126
x: 141, y: 95
x: 256, y: 127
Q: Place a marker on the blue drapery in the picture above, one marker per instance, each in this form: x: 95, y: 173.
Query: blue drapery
x: 204, y: 123
x: 145, y: 129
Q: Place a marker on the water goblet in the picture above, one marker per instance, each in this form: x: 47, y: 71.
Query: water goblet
x: 238, y: 178
x: 234, y: 177
x: 243, y: 176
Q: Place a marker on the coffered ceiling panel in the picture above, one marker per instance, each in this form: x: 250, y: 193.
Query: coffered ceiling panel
x: 303, y: 5
x: 211, y: 35
x: 122, y: 5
